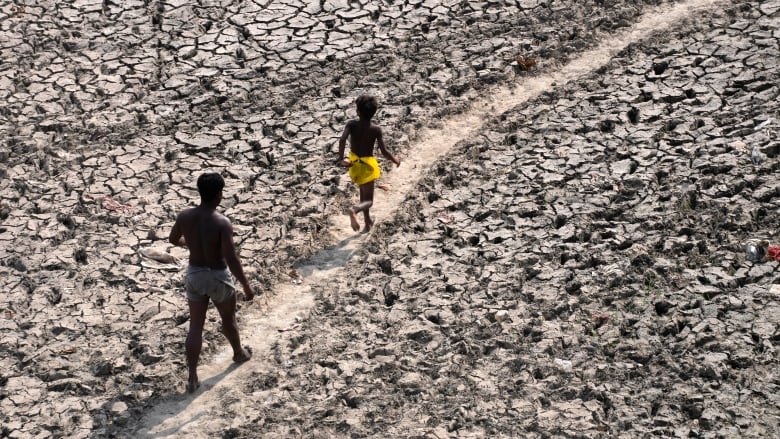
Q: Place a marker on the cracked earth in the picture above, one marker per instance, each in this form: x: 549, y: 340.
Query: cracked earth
x: 561, y: 252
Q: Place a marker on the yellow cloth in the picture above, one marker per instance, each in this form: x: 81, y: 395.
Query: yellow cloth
x: 363, y: 169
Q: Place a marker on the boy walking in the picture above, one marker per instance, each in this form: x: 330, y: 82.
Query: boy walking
x: 209, y: 236
x: 363, y: 167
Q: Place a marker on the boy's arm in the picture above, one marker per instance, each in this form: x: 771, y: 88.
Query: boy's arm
x: 231, y: 258
x: 176, y: 237
x: 343, y: 143
x: 380, y: 141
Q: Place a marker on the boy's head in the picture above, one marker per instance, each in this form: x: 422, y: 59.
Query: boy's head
x: 210, y: 186
x: 366, y: 106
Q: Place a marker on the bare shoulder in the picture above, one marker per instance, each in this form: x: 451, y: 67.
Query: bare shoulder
x: 376, y: 129
x: 185, y: 214
x: 222, y: 221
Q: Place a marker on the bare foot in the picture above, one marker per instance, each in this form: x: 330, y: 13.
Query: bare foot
x: 384, y: 187
x: 367, y: 228
x: 245, y: 355
x: 353, y: 221
x: 193, y: 386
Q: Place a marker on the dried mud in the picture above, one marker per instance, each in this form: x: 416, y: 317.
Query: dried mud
x: 576, y: 268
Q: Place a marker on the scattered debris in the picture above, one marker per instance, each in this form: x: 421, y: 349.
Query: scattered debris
x: 525, y: 63
x: 295, y: 277
x: 564, y: 365
x: 763, y: 124
x: 111, y: 204
x: 756, y: 251
x: 773, y: 253
x: 756, y: 156
x: 158, y: 255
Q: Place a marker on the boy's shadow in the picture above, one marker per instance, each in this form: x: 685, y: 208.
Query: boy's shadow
x: 178, y: 403
x: 332, y: 257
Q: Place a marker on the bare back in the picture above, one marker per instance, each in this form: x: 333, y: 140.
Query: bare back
x: 205, y: 231
x: 362, y: 137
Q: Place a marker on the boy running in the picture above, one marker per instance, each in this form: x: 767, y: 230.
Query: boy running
x: 363, y: 167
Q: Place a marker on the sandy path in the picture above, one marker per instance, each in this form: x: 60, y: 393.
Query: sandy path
x: 193, y: 416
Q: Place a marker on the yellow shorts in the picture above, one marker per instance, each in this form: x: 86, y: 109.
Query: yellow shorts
x: 363, y: 169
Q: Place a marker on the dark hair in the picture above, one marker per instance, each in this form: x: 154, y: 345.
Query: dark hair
x: 367, y: 105
x: 209, y: 186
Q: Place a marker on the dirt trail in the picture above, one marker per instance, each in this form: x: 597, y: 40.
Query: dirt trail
x: 193, y: 416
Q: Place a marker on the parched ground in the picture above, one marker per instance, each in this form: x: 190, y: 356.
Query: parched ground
x: 577, y: 269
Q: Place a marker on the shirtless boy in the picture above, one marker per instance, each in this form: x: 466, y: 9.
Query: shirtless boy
x: 209, y: 237
x: 363, y: 167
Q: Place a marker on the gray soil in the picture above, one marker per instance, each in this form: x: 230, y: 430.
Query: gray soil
x: 561, y: 251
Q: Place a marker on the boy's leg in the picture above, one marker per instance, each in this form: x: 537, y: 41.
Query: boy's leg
x: 366, y: 197
x: 227, y: 311
x: 195, y: 341
x: 353, y: 221
x: 366, y: 201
